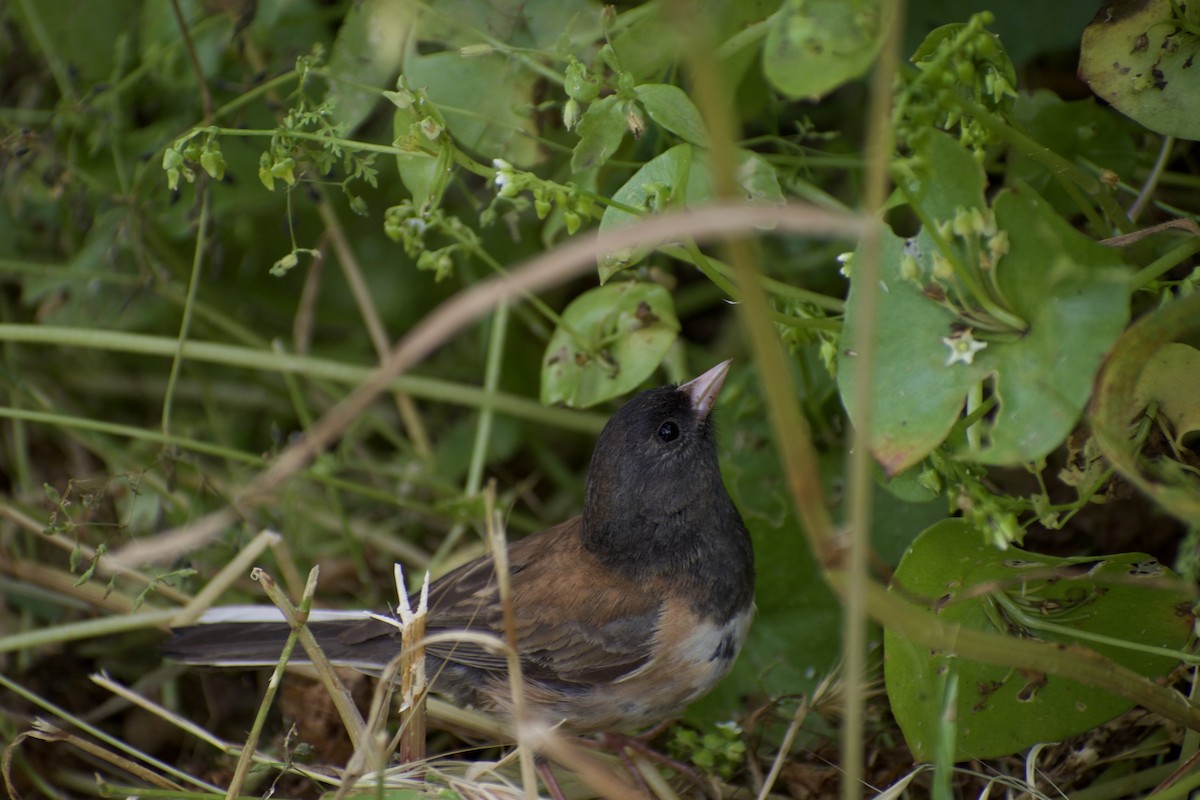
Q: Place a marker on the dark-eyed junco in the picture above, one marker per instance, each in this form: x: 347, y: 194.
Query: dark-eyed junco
x: 624, y: 614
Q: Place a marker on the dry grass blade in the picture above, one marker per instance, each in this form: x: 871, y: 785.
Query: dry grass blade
x: 413, y: 685
x: 784, y: 750
x: 296, y: 617
x: 244, y: 761
x: 516, y: 684
x: 44, y: 731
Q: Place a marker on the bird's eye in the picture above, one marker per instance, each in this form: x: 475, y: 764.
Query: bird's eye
x: 668, y: 431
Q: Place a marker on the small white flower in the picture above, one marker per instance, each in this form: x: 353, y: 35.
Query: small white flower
x: 963, y: 347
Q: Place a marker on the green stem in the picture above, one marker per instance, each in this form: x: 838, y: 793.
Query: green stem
x: 491, y: 381
x: 250, y: 747
x: 722, y: 275
x: 185, y: 321
x: 1147, y: 191
x: 323, y: 139
x: 1039, y: 624
x: 967, y: 275
x: 974, y: 402
x: 328, y: 369
x: 1164, y: 263
x: 1062, y: 169
x: 50, y: 50
x: 102, y: 736
x: 748, y: 35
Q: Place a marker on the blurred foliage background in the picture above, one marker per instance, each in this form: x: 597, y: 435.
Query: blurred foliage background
x: 216, y: 216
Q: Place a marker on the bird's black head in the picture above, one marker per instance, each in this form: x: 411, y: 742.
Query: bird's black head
x: 655, y: 501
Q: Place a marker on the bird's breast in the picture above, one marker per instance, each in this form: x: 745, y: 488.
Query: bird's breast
x: 691, y: 655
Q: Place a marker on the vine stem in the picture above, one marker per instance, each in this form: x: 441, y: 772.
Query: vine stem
x: 185, y: 321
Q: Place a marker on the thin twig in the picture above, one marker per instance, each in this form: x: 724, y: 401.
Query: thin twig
x: 206, y: 102
x: 409, y: 415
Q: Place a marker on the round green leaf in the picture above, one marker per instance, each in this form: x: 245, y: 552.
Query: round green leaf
x: 610, y: 339
x: 1074, y: 294
x: 1126, y: 598
x: 1070, y: 292
x: 915, y: 397
x: 815, y: 46
x: 1082, y: 131
x: 755, y: 179
x: 1140, y: 58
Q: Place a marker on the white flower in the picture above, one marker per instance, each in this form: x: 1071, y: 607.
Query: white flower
x: 963, y: 347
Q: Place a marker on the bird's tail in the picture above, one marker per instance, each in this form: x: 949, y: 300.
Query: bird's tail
x: 254, y: 636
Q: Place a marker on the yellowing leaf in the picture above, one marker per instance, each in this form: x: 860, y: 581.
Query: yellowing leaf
x: 1172, y: 379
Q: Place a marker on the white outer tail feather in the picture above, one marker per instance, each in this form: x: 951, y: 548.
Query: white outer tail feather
x: 248, y: 614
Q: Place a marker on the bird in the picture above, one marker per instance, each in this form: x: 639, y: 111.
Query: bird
x: 624, y: 614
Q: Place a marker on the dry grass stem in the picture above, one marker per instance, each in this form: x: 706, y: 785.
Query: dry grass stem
x: 785, y: 749
x: 516, y: 683
x: 413, y: 686
x: 338, y: 693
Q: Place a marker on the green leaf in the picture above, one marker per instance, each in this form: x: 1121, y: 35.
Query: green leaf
x: 90, y: 34
x: 1069, y: 291
x: 1075, y: 295
x: 647, y: 44
x: 542, y: 25
x: 915, y: 397
x: 1083, y: 132
x: 1128, y: 598
x: 601, y: 130
x: 487, y: 102
x: 1123, y: 391
x: 1171, y: 379
x: 670, y: 107
x: 1140, y: 59
x: 367, y: 53
x: 610, y: 339
x: 815, y: 46
x: 754, y: 178
x: 659, y: 183
x: 424, y: 174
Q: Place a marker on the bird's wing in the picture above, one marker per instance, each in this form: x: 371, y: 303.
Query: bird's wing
x: 575, y: 623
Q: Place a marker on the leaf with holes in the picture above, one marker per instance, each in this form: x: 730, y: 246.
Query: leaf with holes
x: 608, y: 341
x: 1140, y: 58
x: 1149, y: 365
x: 1106, y: 604
x: 815, y: 46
